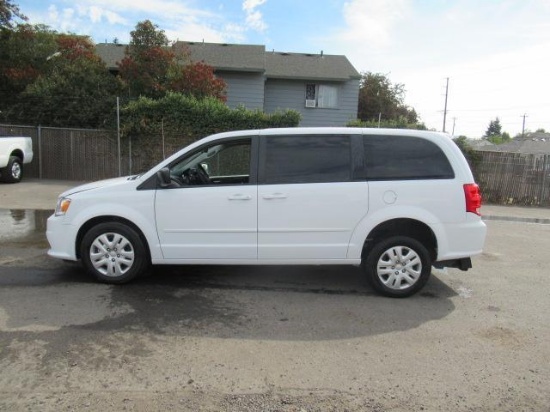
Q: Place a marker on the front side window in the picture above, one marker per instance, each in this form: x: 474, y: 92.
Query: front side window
x: 404, y: 158
x: 219, y: 163
x: 307, y: 159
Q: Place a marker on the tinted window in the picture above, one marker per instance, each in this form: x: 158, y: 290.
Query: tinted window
x: 307, y: 159
x: 231, y: 160
x: 404, y: 157
x: 226, y: 162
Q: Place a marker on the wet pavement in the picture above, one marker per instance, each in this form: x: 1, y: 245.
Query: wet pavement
x: 20, y: 225
x: 295, y: 338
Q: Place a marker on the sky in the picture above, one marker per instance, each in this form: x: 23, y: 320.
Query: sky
x: 494, y: 53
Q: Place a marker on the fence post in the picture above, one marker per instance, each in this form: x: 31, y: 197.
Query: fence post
x: 118, y: 134
x: 545, y: 170
x: 71, y: 137
x: 39, y: 132
x: 130, y: 154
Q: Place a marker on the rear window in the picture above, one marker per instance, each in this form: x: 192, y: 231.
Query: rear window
x: 307, y: 159
x: 404, y: 158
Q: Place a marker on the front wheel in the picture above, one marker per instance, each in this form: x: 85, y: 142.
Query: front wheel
x: 113, y: 253
x: 13, y: 172
x: 398, y: 266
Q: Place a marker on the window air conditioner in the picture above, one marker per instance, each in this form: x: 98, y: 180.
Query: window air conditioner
x: 310, y: 103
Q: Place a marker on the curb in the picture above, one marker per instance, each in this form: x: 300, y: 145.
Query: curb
x: 536, y: 220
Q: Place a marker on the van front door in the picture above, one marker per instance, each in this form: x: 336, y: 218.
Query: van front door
x: 210, y: 210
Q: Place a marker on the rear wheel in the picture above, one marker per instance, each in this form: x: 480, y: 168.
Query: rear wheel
x: 398, y: 266
x: 113, y: 253
x: 13, y: 172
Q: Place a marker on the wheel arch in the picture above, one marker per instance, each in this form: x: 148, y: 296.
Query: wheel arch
x: 402, y: 227
x: 19, y: 154
x: 106, y: 219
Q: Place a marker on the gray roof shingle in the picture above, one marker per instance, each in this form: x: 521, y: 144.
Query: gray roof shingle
x: 253, y: 58
x: 223, y: 56
x: 535, y: 143
x: 309, y: 67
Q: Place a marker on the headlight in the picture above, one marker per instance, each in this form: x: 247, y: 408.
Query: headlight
x: 63, y: 204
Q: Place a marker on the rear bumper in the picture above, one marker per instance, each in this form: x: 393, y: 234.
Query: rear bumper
x: 461, y: 240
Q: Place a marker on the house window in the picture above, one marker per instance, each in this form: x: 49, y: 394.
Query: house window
x: 322, y: 96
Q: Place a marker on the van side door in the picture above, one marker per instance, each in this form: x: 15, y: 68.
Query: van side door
x: 309, y: 199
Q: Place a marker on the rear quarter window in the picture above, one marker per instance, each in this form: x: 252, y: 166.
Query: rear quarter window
x: 404, y: 158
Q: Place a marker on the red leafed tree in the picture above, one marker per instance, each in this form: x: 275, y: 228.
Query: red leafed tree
x: 73, y: 47
x: 147, y: 73
x: 151, y: 68
x: 148, y: 60
x: 198, y: 79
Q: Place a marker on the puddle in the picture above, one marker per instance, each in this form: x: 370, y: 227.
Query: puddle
x: 19, y: 224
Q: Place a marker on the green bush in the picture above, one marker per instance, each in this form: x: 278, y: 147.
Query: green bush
x: 193, y: 118
x: 158, y: 128
x: 400, y: 123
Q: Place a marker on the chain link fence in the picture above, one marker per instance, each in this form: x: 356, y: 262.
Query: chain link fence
x: 88, y: 154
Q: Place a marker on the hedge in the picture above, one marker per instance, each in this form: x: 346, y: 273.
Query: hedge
x: 159, y: 127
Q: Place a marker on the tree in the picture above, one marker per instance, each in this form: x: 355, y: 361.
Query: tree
x: 494, y: 129
x: 9, y: 10
x: 494, y: 133
x: 147, y: 63
x: 472, y: 156
x: 197, y: 79
x: 378, y: 97
x: 151, y: 69
x: 72, y: 88
x: 26, y: 53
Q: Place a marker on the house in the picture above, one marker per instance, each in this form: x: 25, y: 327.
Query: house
x: 537, y: 143
x: 323, y: 88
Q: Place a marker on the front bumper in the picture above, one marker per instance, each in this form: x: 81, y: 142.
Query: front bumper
x: 62, y: 238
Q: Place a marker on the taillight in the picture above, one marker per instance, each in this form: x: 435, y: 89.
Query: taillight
x: 473, y: 198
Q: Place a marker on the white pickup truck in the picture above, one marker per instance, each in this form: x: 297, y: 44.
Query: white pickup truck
x: 14, y: 152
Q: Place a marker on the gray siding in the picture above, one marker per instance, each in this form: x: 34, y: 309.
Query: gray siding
x: 244, y: 88
x: 290, y: 94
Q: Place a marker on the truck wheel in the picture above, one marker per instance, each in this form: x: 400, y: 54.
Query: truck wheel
x: 13, y: 172
x: 398, y: 266
x: 114, y: 253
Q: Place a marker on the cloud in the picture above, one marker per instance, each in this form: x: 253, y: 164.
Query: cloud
x: 63, y: 20
x: 254, y: 18
x: 97, y: 14
x: 252, y: 4
x: 371, y: 22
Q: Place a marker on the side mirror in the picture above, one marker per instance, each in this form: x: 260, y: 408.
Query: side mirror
x: 163, y: 177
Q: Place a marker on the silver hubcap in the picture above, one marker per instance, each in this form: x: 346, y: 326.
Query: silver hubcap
x: 112, y: 254
x: 16, y: 170
x: 399, y: 267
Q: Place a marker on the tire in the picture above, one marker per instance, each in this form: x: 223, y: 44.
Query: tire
x: 398, y: 266
x: 13, y: 172
x: 113, y: 253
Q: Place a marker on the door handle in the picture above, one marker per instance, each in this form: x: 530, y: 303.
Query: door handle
x: 275, y: 196
x: 240, y: 197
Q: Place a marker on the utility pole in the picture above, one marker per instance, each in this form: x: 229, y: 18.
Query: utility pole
x: 454, y: 124
x: 445, y: 110
x: 523, y: 126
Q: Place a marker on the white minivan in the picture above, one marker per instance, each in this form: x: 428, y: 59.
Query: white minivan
x: 394, y: 201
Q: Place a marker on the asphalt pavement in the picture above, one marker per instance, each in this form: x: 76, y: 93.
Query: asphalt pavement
x: 234, y: 338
